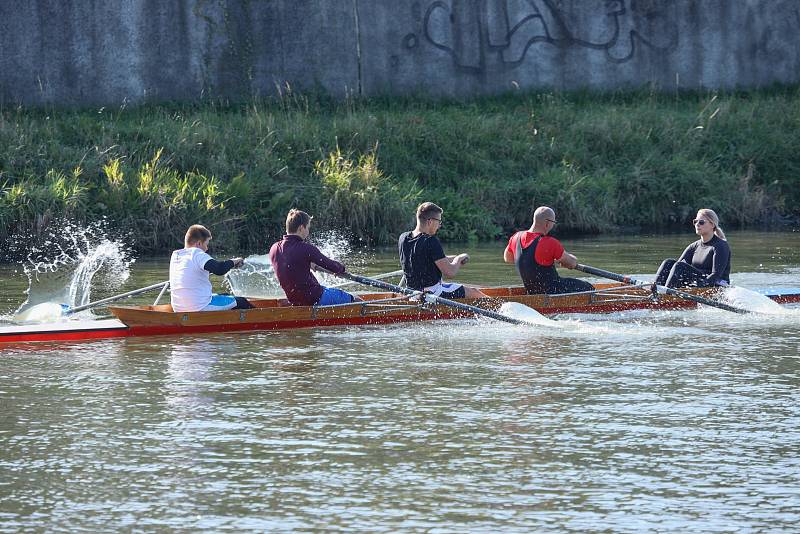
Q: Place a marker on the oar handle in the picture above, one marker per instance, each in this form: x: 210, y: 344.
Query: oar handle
x: 116, y: 297
x: 668, y: 290
x: 607, y: 274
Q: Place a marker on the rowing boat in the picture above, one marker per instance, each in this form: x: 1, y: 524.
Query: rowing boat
x: 376, y: 308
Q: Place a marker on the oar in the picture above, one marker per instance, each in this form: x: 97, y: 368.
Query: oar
x: 376, y: 277
x: 51, y: 311
x: 429, y: 297
x: 161, y: 285
x: 668, y: 290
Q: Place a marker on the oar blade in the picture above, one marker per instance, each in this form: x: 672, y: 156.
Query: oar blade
x: 526, y: 314
x: 46, y: 312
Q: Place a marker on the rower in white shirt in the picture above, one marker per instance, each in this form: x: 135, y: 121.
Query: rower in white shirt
x: 189, y: 270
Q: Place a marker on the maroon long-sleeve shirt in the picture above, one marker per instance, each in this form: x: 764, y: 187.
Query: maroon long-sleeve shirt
x: 291, y: 259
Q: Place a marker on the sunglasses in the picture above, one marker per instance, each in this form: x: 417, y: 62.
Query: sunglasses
x: 552, y: 221
x: 699, y: 222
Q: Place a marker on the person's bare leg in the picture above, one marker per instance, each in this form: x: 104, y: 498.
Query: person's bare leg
x: 474, y: 293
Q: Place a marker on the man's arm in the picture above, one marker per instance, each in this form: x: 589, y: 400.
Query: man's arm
x: 221, y: 268
x: 320, y: 259
x: 509, y: 252
x: 462, y: 258
x: 568, y: 260
x: 450, y: 267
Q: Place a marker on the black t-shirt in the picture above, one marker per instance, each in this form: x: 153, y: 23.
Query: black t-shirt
x: 418, y: 257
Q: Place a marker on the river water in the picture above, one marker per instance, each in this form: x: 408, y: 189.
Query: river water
x: 634, y: 422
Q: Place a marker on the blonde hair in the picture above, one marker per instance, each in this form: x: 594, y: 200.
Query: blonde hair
x: 713, y: 219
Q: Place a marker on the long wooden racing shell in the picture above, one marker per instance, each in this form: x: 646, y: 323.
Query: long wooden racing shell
x: 376, y: 308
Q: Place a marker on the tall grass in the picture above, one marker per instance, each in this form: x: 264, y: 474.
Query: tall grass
x: 604, y: 161
x: 361, y: 200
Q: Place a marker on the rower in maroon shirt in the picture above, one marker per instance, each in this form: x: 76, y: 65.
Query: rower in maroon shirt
x: 292, y: 260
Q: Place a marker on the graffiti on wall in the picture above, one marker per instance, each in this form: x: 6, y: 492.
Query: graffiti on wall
x: 501, y: 34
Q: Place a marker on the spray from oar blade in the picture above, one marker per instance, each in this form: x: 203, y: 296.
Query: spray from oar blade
x: 254, y: 278
x: 524, y: 313
x: 68, y: 263
x: 753, y: 301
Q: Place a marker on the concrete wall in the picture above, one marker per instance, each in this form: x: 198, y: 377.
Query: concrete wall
x: 77, y: 52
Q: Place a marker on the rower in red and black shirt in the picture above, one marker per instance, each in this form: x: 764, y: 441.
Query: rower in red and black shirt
x: 535, y: 254
x: 292, y: 259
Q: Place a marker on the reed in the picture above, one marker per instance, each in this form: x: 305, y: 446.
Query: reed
x: 605, y: 161
x: 360, y: 199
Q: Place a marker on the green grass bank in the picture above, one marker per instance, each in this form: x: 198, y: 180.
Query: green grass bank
x: 606, y: 162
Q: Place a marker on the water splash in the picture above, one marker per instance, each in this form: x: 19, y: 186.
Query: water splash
x: 66, y: 267
x: 519, y: 311
x: 755, y: 302
x: 336, y: 245
x: 254, y: 279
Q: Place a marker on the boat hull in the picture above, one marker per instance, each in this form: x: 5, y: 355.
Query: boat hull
x: 377, y: 308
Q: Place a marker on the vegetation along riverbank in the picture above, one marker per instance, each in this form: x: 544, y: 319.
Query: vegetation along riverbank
x: 606, y: 162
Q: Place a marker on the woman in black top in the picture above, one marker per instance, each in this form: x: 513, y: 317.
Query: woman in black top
x: 704, y: 263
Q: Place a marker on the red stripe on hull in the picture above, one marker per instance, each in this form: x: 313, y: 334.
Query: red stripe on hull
x: 66, y: 336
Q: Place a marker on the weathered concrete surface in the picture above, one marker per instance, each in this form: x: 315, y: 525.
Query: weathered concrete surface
x: 462, y: 47
x: 109, y: 51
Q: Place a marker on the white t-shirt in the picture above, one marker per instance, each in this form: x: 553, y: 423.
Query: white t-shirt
x: 189, y: 283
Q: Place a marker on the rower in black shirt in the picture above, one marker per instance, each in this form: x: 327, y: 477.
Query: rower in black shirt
x: 423, y: 259
x: 704, y: 263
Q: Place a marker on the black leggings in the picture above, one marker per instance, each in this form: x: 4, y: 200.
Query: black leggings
x: 673, y: 273
x: 569, y: 285
x: 242, y: 304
